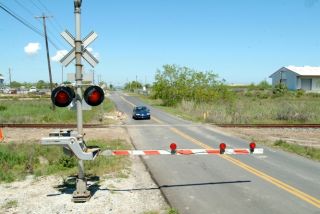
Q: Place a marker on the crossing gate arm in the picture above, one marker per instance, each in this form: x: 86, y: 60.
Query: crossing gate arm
x: 76, y: 146
x: 182, y: 152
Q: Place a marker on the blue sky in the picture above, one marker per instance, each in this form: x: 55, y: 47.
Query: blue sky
x: 241, y: 41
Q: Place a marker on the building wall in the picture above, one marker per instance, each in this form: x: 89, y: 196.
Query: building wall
x: 275, y: 79
x: 288, y: 77
x: 315, y: 83
x: 291, y: 80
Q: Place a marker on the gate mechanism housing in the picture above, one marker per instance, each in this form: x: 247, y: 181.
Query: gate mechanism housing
x: 73, y: 142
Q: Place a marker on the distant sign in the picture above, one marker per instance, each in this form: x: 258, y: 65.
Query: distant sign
x: 71, y: 77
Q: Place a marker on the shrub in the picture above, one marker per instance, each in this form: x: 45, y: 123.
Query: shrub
x: 3, y: 108
x: 314, y: 95
x: 263, y: 85
x: 280, y: 89
x: 279, y: 143
x: 300, y: 93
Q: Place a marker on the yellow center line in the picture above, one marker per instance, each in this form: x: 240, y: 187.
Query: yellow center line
x: 294, y: 191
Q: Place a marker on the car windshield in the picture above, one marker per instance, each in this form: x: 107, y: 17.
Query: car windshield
x: 141, y: 108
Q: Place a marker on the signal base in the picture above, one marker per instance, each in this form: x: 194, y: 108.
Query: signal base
x: 81, y: 194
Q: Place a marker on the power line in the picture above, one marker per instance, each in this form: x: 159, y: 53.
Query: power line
x: 34, y: 4
x: 26, y: 23
x: 54, y: 23
x: 43, y: 5
x: 43, y: 17
x: 24, y: 7
x: 46, y: 9
x: 29, y: 12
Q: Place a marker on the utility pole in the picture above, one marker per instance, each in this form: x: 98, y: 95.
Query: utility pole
x: 10, y: 77
x: 43, y: 17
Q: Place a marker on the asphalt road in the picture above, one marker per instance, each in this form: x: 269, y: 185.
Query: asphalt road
x: 275, y: 182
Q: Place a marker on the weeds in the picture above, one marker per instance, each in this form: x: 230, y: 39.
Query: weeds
x: 10, y: 204
x: 39, y: 111
x: 173, y: 211
x: 244, y: 110
x: 306, y: 151
x: 19, y: 160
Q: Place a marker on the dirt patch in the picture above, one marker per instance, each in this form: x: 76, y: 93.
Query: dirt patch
x: 21, y: 135
x: 136, y: 193
x: 304, y: 137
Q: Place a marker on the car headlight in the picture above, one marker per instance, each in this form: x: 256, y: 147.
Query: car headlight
x: 148, y: 113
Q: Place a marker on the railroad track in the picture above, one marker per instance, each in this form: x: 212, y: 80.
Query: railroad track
x: 268, y: 125
x: 56, y: 125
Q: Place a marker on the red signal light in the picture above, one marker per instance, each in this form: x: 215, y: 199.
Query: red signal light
x: 252, y: 146
x: 173, y: 148
x: 93, y: 95
x: 222, y: 147
x: 62, y: 96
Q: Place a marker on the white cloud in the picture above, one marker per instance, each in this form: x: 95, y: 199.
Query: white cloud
x: 32, y: 48
x: 59, y: 55
x: 95, y: 54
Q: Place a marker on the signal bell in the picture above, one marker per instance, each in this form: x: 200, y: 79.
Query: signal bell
x: 62, y: 96
x: 93, y: 95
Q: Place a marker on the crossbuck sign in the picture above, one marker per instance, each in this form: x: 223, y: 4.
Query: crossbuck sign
x: 67, y: 59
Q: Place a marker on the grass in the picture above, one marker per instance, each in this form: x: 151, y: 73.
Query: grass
x: 169, y: 211
x: 39, y: 111
x: 309, y: 152
x: 248, y: 110
x: 10, y: 204
x: 256, y: 111
x: 19, y: 160
x: 173, y: 211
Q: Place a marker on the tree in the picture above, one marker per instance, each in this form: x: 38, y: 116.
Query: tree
x: 42, y: 84
x: 174, y: 84
x: 15, y: 84
x: 131, y: 86
x: 263, y: 85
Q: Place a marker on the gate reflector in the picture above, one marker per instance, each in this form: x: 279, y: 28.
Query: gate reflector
x: 222, y: 147
x: 173, y: 148
x: 252, y: 146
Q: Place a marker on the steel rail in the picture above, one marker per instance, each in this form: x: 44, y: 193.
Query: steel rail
x: 39, y: 125
x: 64, y: 125
x: 268, y: 125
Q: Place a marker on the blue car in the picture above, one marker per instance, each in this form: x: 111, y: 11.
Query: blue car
x: 141, y: 112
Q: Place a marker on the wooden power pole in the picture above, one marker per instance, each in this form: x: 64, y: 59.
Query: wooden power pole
x: 43, y: 17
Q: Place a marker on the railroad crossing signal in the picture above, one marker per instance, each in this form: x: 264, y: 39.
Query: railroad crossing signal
x: 62, y: 96
x: 69, y: 57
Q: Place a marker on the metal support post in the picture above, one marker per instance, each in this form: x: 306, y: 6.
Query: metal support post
x: 81, y: 194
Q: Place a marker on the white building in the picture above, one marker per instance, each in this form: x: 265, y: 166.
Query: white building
x: 306, y: 78
x: 1, y: 80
